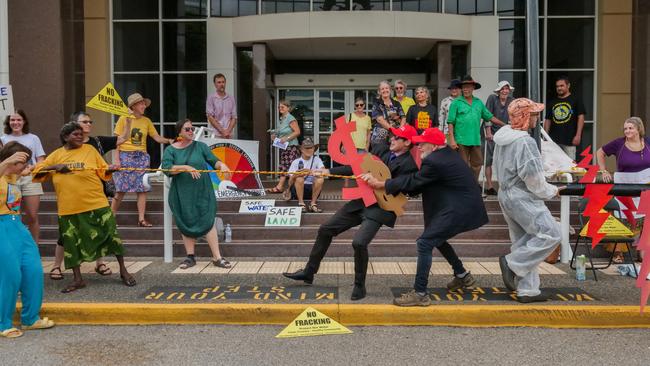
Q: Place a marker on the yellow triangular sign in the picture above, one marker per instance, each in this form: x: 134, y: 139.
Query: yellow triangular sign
x: 611, y: 227
x: 107, y: 100
x: 312, y: 322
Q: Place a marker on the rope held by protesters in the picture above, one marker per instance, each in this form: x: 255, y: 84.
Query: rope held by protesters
x: 262, y: 172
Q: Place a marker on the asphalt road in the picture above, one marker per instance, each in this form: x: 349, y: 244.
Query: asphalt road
x: 257, y: 345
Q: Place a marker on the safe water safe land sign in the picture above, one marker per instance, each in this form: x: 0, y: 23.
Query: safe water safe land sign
x: 283, y: 216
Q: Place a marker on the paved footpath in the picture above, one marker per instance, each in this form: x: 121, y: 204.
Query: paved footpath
x: 255, y: 292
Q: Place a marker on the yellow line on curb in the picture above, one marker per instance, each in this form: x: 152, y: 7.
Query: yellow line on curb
x: 548, y: 316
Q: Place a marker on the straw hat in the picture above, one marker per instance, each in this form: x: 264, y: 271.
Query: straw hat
x: 136, y: 98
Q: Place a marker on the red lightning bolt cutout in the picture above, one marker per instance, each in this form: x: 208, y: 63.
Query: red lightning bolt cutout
x: 597, y: 198
x: 644, y: 244
x: 341, y: 137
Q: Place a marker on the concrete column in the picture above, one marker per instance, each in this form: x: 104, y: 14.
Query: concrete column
x: 261, y: 103
x: 443, y: 56
x: 4, y: 43
x: 484, y: 54
x: 97, y: 66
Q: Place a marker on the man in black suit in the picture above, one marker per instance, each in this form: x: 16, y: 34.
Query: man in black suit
x: 452, y: 204
x: 400, y: 162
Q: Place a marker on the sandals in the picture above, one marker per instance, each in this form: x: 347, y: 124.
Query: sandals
x: 44, y: 323
x: 73, y: 287
x: 102, y: 270
x: 304, y: 208
x: 275, y: 190
x: 222, y: 263
x: 129, y: 280
x: 618, y: 258
x: 56, y: 276
x: 187, y: 263
x: 314, y: 208
x: 144, y: 223
x: 11, y: 333
x: 286, y: 195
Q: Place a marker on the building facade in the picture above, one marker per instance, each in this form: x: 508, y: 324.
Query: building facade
x: 320, y: 55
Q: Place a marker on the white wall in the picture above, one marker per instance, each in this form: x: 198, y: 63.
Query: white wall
x: 4, y: 42
x: 484, y: 54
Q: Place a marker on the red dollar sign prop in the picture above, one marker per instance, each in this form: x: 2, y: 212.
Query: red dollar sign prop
x: 341, y: 137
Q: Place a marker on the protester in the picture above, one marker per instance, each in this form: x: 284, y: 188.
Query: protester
x: 452, y: 204
x: 522, y: 191
x: 133, y: 154
x: 361, y: 136
x: 16, y: 128
x: 386, y: 113
x: 191, y: 196
x: 355, y: 213
x: 497, y: 104
x: 400, y: 95
x: 632, y: 153
x: 20, y: 263
x: 287, y: 132
x: 454, y: 92
x: 221, y: 109
x: 565, y: 117
x: 306, y: 186
x: 102, y: 144
x: 464, y: 122
x: 86, y: 224
x: 422, y: 115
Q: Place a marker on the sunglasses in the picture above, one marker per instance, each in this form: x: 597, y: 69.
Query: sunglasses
x: 188, y: 129
x: 89, y: 122
x: 359, y: 105
x: 399, y: 87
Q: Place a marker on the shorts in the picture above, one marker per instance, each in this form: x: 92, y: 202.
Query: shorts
x: 489, y: 151
x: 27, y: 188
x: 306, y: 194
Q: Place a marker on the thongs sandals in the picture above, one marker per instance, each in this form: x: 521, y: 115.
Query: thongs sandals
x: 128, y: 280
x: 303, y: 207
x: 11, y: 333
x: 144, y: 223
x: 314, y: 208
x: 187, y: 263
x: 74, y: 286
x: 103, y: 270
x: 56, y: 274
x: 222, y: 263
x: 44, y: 323
x: 274, y: 190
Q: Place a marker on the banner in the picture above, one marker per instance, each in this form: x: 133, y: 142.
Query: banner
x: 6, y: 101
x: 237, y: 155
x: 108, y: 100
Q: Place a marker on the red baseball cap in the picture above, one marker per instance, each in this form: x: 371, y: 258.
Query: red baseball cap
x: 406, y: 132
x: 431, y: 135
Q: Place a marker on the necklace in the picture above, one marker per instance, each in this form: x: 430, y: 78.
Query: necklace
x: 630, y: 147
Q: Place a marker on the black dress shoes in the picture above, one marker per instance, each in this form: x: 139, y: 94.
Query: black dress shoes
x: 358, y: 293
x: 300, y: 275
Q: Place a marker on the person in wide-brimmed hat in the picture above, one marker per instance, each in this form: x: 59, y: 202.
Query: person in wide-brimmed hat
x: 133, y: 154
x: 497, y: 104
x: 302, y: 187
x: 465, y: 114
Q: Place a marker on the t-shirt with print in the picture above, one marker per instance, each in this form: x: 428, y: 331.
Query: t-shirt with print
x: 80, y: 190
x: 444, y: 112
x: 10, y: 197
x: 422, y: 117
x: 563, y: 113
x: 310, y: 164
x: 137, y: 138
x: 29, y: 140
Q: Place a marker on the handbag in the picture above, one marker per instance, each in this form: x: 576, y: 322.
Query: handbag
x: 109, y: 186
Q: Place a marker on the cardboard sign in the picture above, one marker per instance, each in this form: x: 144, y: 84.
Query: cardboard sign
x: 256, y: 206
x: 312, y: 323
x: 107, y: 100
x: 611, y: 227
x: 283, y: 216
x: 6, y: 100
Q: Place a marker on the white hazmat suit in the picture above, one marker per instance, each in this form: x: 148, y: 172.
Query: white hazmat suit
x: 522, y: 188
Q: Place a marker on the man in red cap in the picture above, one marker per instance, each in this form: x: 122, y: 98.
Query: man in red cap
x: 355, y: 213
x: 452, y: 204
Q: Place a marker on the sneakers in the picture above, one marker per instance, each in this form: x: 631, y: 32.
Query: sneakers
x: 457, y: 283
x: 411, y: 298
x: 509, y: 277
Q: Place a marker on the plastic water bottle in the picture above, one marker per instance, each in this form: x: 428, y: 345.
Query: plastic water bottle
x: 228, y: 233
x: 581, y: 267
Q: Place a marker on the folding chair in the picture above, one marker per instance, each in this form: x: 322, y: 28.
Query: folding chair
x: 612, y: 207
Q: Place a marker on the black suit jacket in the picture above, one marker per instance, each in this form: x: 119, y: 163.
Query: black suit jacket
x: 451, y: 198
x: 399, y: 166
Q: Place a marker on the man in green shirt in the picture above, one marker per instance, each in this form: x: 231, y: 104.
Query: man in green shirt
x: 464, y: 120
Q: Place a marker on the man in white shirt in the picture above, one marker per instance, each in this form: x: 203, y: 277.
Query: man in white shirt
x: 221, y: 109
x: 306, y: 186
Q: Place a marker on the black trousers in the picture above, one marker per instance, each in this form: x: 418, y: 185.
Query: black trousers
x: 341, y: 222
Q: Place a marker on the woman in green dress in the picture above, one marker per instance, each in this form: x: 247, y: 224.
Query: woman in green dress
x: 191, y: 196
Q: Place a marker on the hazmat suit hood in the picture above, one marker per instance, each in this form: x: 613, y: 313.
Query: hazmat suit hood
x: 506, y: 135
